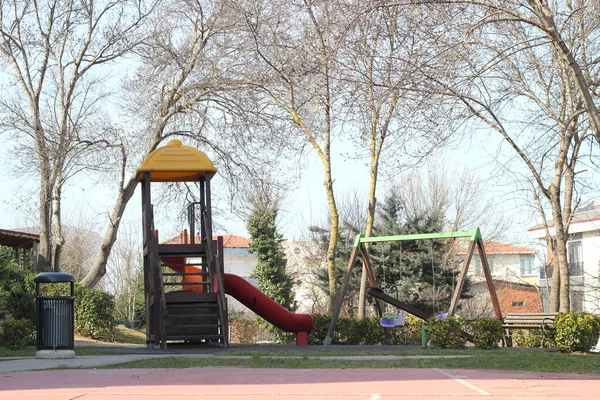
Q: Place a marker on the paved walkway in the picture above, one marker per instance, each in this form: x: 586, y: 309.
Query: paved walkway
x: 314, y: 384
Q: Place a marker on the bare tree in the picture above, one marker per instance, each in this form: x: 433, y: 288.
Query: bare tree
x: 124, y: 279
x: 296, y: 45
x: 378, y: 64
x: 178, y: 87
x: 566, y: 29
x: 54, y: 50
x: 509, y: 67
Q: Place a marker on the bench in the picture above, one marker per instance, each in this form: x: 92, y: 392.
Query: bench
x: 542, y: 321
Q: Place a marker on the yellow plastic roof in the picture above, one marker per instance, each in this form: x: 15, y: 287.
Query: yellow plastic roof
x: 176, y: 162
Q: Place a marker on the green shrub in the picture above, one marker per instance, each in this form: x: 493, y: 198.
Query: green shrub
x: 351, y: 331
x: 17, y: 300
x: 410, y: 333
x: 245, y: 331
x: 17, y: 333
x: 320, y: 325
x: 448, y: 333
x: 487, y: 332
x: 532, y: 338
x: 94, y: 313
x: 373, y: 332
x: 576, y: 331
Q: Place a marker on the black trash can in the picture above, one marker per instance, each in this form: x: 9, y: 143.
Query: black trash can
x: 55, y: 315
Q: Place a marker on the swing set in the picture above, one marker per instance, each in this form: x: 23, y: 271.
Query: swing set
x: 359, y: 250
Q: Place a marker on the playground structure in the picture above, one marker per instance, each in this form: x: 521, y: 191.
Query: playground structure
x: 379, y: 296
x: 189, y: 304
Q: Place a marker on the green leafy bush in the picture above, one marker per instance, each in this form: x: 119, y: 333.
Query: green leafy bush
x: 410, y: 333
x: 17, y: 300
x: 17, y: 333
x: 94, y: 311
x: 487, y: 332
x: 448, y: 333
x: 373, y: 332
x: 576, y: 331
x: 532, y: 338
x: 245, y: 330
x: 320, y: 325
x: 351, y: 331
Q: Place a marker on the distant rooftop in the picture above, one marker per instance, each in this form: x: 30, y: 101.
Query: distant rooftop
x: 229, y: 241
x: 587, y: 213
x: 500, y: 248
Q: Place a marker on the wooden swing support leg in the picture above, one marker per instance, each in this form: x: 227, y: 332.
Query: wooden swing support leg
x: 461, y: 279
x: 488, y: 278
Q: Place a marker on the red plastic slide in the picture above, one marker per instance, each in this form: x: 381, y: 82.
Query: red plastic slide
x: 266, y: 307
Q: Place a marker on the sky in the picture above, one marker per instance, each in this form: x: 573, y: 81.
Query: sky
x: 87, y: 204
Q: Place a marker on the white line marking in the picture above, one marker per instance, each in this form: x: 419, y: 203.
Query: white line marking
x: 463, y: 382
x: 374, y: 396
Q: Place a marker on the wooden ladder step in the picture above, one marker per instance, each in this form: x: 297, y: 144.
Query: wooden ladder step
x: 182, y: 296
x: 203, y: 305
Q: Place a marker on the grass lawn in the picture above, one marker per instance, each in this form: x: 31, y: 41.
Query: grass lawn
x: 128, y: 335
x: 501, y: 359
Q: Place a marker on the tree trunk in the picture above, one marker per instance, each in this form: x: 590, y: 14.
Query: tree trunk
x: 561, y: 265
x: 45, y: 229
x: 58, y: 239
x: 555, y: 280
x: 362, y: 295
x: 98, y: 269
x: 546, y: 16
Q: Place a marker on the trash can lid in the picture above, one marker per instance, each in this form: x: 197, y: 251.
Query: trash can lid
x: 52, y: 277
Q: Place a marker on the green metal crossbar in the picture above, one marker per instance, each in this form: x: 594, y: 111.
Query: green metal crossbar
x: 474, y: 234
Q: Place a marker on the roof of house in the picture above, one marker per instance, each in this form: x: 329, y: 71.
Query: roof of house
x: 229, y: 241
x: 500, y: 248
x: 588, y: 213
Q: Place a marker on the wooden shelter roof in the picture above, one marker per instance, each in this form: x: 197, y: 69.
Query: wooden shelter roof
x: 17, y: 239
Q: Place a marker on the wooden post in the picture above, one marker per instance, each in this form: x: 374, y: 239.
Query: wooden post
x: 338, y: 306
x: 461, y: 279
x: 488, y: 279
x: 203, y: 230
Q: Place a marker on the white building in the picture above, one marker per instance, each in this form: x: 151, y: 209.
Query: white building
x: 508, y: 262
x: 303, y: 261
x: 583, y: 254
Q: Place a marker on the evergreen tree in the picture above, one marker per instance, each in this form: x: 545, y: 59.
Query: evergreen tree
x: 270, y: 271
x: 413, y: 271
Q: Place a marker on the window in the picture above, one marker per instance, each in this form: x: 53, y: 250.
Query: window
x: 518, y: 304
x: 575, y: 256
x: 527, y: 268
x: 576, y: 300
x: 478, y: 268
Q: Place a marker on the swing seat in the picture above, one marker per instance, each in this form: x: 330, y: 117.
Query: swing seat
x: 392, y: 322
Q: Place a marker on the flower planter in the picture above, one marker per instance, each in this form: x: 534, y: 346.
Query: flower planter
x: 392, y: 322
